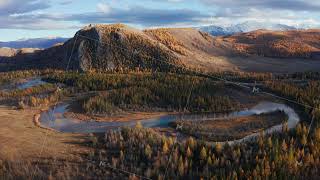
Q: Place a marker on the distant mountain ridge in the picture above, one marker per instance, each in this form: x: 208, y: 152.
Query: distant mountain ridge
x: 41, y: 43
x: 244, y: 27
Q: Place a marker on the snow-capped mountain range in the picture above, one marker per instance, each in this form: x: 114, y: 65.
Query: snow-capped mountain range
x: 244, y: 27
x: 43, y: 43
x: 40, y: 43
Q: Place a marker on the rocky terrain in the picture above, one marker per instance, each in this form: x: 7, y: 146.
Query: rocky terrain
x: 109, y: 47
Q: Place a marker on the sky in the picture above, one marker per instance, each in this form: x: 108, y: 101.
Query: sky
x: 22, y: 19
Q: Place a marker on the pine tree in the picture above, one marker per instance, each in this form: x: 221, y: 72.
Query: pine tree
x: 181, y: 168
x: 148, y: 151
x: 209, y: 161
x: 299, y: 129
x: 191, y: 143
x: 317, y: 135
x: 189, y: 153
x: 304, y: 140
x: 165, y: 148
x: 203, y: 154
x: 270, y: 142
x: 121, y: 155
x: 139, y: 125
x: 291, y: 159
x: 284, y: 146
x: 218, y: 147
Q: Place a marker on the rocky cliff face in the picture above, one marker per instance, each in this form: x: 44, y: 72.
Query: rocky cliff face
x: 107, y: 47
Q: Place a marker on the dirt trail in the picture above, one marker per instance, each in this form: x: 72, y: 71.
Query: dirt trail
x: 21, y: 139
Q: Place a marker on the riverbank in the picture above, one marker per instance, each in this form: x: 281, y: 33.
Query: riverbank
x: 124, y: 117
x: 230, y: 129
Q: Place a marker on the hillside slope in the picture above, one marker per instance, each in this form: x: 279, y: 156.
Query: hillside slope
x: 109, y: 47
x: 284, y: 44
x: 7, y: 52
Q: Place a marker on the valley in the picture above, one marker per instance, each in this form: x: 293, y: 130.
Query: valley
x: 168, y: 103
x: 73, y: 136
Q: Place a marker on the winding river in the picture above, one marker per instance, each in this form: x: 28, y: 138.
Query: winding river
x: 25, y: 84
x: 54, y: 118
x: 31, y: 83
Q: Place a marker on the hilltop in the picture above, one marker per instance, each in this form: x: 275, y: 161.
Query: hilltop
x: 244, y: 27
x: 117, y: 46
x: 11, y: 52
x: 107, y: 47
x: 284, y: 44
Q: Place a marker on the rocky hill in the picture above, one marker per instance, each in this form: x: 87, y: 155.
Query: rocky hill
x: 109, y: 47
x: 106, y: 47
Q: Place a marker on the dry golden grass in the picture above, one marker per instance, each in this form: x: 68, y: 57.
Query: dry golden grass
x: 21, y: 139
x: 164, y: 36
x: 304, y: 44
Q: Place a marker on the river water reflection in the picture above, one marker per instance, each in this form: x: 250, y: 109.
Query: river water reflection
x: 54, y: 118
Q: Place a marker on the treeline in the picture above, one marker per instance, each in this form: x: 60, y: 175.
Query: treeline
x: 285, y: 155
x: 247, y: 77
x: 307, y: 75
x: 8, y: 77
x: 307, y: 96
x: 18, y: 93
x: 229, y: 129
x: 41, y: 95
x: 251, y: 77
x: 12, y: 76
x: 148, y: 91
x: 144, y: 99
x: 143, y: 152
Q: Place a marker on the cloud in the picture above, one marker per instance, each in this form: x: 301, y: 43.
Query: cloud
x: 289, y: 12
x: 175, y: 1
x: 65, y: 2
x: 8, y: 7
x: 22, y: 22
x: 26, y: 15
x: 294, y: 5
x: 140, y: 16
x: 103, y: 7
x: 134, y: 15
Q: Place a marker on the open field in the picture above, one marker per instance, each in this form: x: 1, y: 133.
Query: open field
x: 21, y: 139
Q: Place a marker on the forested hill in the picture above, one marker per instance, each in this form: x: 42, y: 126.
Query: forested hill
x: 107, y: 47
x: 284, y: 44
